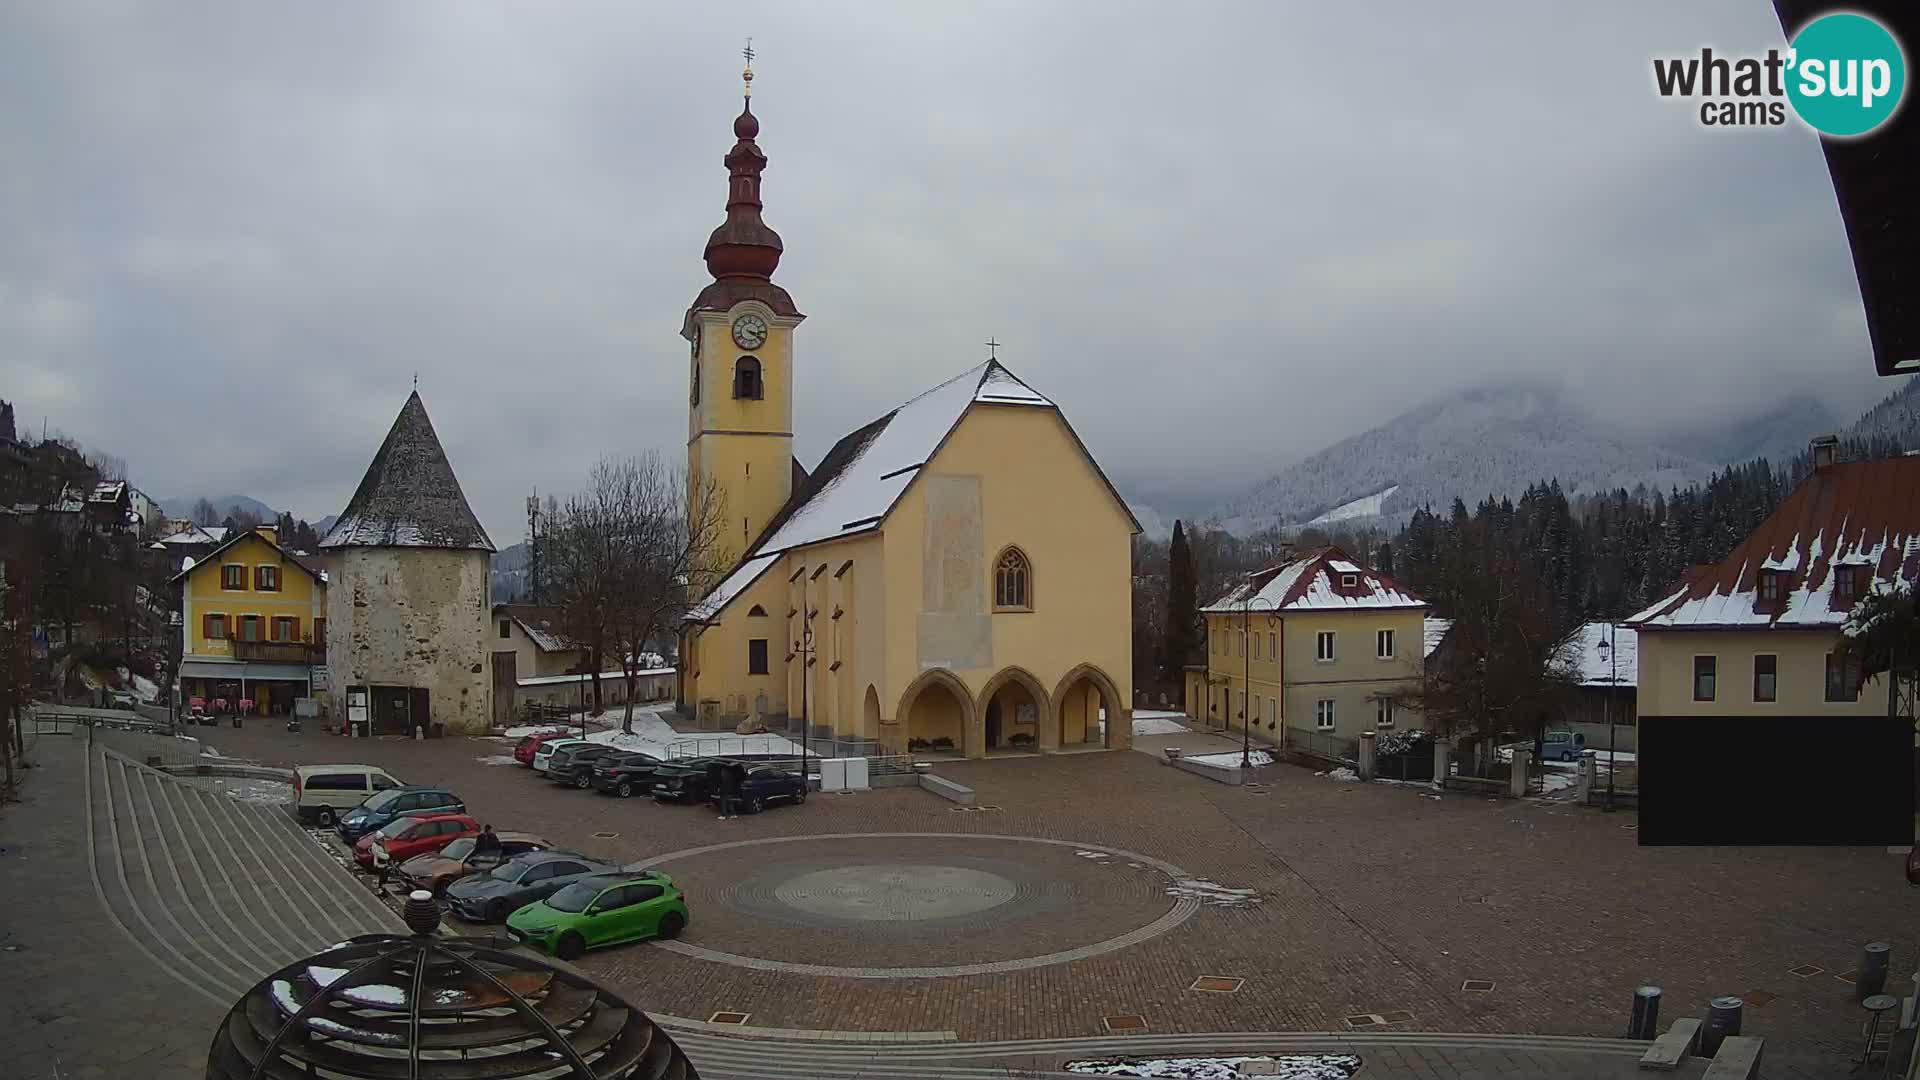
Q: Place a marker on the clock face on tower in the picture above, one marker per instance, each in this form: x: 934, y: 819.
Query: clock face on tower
x: 749, y: 331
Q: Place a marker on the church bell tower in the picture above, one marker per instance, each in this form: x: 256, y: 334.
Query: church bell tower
x: 740, y: 330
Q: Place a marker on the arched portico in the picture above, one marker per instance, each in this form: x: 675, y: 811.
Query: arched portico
x: 1078, y: 701
x: 1013, y: 704
x: 870, y: 714
x: 937, y: 706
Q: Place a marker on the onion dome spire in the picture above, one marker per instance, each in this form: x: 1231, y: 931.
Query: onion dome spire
x: 743, y: 246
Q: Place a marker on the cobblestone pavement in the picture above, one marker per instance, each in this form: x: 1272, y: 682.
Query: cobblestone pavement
x: 1374, y: 901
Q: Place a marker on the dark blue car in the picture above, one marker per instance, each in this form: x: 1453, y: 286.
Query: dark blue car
x: 412, y: 800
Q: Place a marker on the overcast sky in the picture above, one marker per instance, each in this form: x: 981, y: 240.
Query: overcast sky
x: 1221, y: 236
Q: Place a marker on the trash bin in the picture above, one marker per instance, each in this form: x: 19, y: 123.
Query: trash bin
x: 1723, y: 1019
x: 1645, y: 1021
x: 1873, y: 971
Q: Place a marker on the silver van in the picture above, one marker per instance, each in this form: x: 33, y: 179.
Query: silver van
x: 321, y: 793
x: 1562, y: 746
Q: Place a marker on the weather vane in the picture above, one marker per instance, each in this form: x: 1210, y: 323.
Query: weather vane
x: 748, y: 73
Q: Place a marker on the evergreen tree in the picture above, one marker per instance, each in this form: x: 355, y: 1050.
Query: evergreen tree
x: 1183, y: 618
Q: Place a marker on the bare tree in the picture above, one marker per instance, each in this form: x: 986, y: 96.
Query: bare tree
x: 204, y: 513
x: 112, y: 467
x: 620, y: 554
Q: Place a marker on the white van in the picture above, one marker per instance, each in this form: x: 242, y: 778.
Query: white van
x: 321, y: 793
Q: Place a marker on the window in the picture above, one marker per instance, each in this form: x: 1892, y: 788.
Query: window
x: 757, y: 656
x: 746, y: 379
x: 233, y: 576
x: 1012, y: 581
x: 506, y: 629
x: 756, y: 612
x: 1846, y: 585
x: 1843, y: 679
x: 1383, y: 713
x: 1770, y: 583
x: 1323, y: 646
x: 336, y: 782
x: 1703, y: 678
x: 1766, y: 678
x: 286, y: 628
x: 1273, y: 646
x: 320, y: 632
x: 1349, y: 581
x: 213, y: 627
x: 266, y: 578
x: 1323, y: 714
x: 1383, y: 644
x: 1273, y: 711
x: 249, y: 628
x: 381, y: 782
x: 640, y: 894
x: 1254, y: 646
x: 1243, y: 705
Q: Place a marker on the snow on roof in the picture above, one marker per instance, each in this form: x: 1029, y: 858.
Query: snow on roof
x: 1594, y: 653
x: 731, y: 586
x: 1308, y: 584
x: 197, y: 534
x: 1436, y: 633
x: 1857, y: 513
x: 409, y: 496
x: 544, y: 637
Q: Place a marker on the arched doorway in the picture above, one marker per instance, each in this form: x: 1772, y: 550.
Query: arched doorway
x: 936, y: 715
x: 1014, y: 714
x: 1092, y: 711
x: 870, y: 714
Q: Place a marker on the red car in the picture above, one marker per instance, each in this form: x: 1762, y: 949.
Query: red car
x: 524, y: 750
x: 410, y: 836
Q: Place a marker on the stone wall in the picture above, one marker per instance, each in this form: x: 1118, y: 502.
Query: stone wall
x: 412, y: 617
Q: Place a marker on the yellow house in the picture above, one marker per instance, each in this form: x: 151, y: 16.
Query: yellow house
x: 1754, y: 634
x: 252, y: 623
x: 952, y: 576
x: 1315, y: 650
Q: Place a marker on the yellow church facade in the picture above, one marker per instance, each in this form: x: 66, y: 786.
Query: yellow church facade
x: 953, y: 577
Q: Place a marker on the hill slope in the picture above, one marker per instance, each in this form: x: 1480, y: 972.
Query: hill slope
x: 225, y: 504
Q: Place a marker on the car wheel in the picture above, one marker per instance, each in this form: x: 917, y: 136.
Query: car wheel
x: 570, y: 946
x: 498, y: 910
x: 671, y: 924
x: 800, y: 796
x: 755, y: 805
x: 326, y: 818
x: 623, y: 789
x: 583, y: 783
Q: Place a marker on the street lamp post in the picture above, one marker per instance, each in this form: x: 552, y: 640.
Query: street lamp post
x: 803, y: 651
x: 1611, y: 646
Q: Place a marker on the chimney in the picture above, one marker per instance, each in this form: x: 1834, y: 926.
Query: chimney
x: 1286, y: 553
x: 1825, y: 450
x: 271, y: 532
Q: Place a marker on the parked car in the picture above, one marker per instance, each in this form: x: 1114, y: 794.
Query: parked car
x: 524, y: 750
x: 605, y: 909
x: 411, y: 800
x: 573, y: 765
x: 498, y: 893
x: 767, y: 784
x: 404, y: 837
x: 322, y: 794
x: 435, y: 870
x: 686, y: 780
x: 544, y: 752
x: 624, y: 774
x: 1562, y: 746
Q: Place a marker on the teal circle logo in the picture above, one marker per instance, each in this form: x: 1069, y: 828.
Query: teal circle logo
x: 1846, y: 74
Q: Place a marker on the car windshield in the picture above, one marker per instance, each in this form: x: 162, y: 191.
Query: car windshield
x: 395, y: 828
x: 459, y: 849
x: 509, y: 871
x: 382, y: 800
x: 574, y: 898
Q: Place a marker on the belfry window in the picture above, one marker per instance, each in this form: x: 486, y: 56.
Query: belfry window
x: 746, y: 379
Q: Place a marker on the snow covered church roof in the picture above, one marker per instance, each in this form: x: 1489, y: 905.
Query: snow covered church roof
x: 1323, y: 580
x: 1859, y: 514
x: 857, y: 484
x: 409, y: 496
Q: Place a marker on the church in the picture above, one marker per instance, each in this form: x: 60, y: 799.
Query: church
x: 954, y: 576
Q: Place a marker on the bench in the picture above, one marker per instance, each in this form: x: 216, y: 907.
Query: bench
x: 947, y: 789
x: 1737, y: 1059
x: 1670, y: 1049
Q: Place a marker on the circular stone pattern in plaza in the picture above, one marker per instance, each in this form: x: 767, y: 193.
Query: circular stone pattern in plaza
x: 917, y: 905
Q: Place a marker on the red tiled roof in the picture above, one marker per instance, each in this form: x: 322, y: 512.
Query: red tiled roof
x: 1311, y: 583
x: 1864, y: 513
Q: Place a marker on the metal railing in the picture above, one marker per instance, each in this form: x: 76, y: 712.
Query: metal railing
x: 1325, y: 745
x: 67, y: 719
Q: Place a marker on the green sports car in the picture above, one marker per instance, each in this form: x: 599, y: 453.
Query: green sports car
x: 605, y: 909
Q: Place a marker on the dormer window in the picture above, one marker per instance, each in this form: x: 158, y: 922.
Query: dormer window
x: 1824, y: 450
x: 1846, y: 585
x: 746, y: 379
x: 1349, y: 581
x: 1772, y: 586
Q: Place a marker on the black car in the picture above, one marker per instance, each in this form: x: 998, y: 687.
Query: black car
x: 624, y: 774
x: 573, y: 765
x: 689, y: 779
x: 766, y: 784
x: 498, y: 893
x: 384, y: 807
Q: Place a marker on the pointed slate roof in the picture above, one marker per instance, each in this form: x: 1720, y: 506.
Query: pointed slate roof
x: 409, y: 497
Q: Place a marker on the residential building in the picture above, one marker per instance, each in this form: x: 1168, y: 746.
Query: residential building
x: 408, y: 602
x: 253, y: 624
x: 952, y: 575
x: 1315, y: 650
x: 1754, y: 634
x: 1605, y: 660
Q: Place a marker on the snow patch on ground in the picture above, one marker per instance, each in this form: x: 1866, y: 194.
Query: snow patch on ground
x: 1211, y: 893
x: 496, y: 759
x: 1232, y: 758
x: 1286, y: 1067
x: 1364, y: 506
x: 255, y: 791
x: 1342, y: 773
x: 1147, y: 722
x: 652, y: 734
x: 525, y: 730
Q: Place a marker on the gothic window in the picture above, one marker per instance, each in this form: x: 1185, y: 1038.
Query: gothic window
x: 746, y: 379
x: 1013, y: 582
x: 756, y: 611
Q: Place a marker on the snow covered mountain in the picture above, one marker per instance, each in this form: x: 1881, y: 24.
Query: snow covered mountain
x: 1489, y: 440
x: 1897, y: 416
x: 1776, y: 434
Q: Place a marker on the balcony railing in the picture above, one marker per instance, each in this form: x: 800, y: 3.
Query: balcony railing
x: 280, y: 652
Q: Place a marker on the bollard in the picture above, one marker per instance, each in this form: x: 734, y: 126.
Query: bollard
x: 1873, y: 971
x: 1723, y: 1019
x: 1645, y: 1021
x: 1366, y: 755
x: 419, y: 733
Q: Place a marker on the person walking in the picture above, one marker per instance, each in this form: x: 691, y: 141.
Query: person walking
x: 730, y: 774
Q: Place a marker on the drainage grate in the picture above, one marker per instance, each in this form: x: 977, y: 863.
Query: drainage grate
x: 1217, y: 984
x: 1806, y: 971
x: 1397, y: 1016
x: 724, y: 1017
x: 1364, y: 1020
x: 1126, y: 1022
x: 605, y: 835
x: 1478, y: 986
x: 1759, y: 998
x: 1846, y: 976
